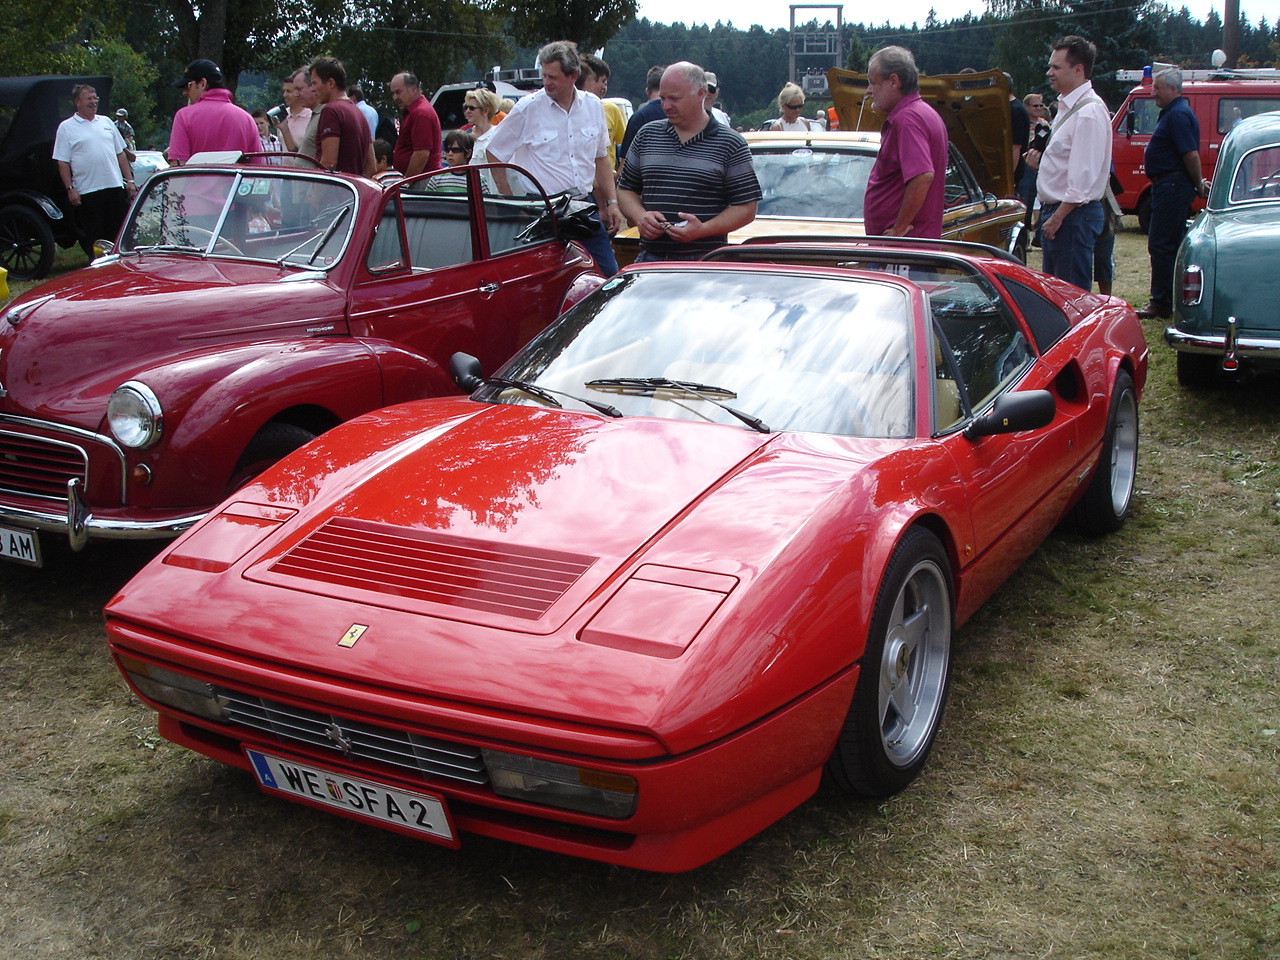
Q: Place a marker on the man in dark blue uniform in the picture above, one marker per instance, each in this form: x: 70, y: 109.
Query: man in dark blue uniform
x: 1172, y: 163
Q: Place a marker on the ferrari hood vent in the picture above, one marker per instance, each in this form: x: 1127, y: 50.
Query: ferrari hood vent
x: 497, y: 578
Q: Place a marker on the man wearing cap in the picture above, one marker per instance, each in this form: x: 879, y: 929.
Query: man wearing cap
x: 211, y: 121
x: 713, y: 94
x: 94, y: 167
x: 125, y: 127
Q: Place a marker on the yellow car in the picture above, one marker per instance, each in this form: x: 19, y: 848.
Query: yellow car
x: 813, y: 183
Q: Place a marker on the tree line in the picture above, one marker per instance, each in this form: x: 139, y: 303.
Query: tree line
x: 144, y: 44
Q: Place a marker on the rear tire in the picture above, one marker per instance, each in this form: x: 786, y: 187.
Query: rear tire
x: 906, y: 669
x: 1105, y: 505
x: 273, y: 442
x: 27, y: 246
x: 1144, y: 213
x: 1199, y: 371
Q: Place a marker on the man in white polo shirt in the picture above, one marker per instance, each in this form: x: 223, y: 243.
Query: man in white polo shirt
x: 94, y: 167
x: 559, y: 135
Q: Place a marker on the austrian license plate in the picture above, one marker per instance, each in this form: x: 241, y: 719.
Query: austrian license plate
x: 404, y: 810
x: 20, y: 545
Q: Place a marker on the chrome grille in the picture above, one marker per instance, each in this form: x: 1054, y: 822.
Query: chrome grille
x: 34, y: 466
x: 495, y: 577
x: 365, y: 741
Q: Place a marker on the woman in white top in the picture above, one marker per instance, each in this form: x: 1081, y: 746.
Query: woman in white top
x: 481, y: 106
x: 791, y: 102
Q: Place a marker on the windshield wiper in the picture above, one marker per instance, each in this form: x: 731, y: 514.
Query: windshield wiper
x: 185, y: 247
x: 702, y: 391
x: 325, y: 237
x: 549, y: 396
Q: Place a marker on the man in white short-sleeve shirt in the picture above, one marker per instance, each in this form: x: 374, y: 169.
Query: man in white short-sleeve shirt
x: 94, y: 166
x: 560, y: 136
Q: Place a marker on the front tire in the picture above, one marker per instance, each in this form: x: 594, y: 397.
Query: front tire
x: 905, y: 673
x: 1105, y: 505
x: 27, y: 246
x: 273, y: 442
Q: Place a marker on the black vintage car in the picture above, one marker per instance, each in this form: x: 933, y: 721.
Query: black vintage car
x: 34, y: 211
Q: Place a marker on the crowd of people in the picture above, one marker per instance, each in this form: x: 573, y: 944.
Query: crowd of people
x: 676, y: 170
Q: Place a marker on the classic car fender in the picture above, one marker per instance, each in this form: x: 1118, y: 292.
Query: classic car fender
x: 582, y: 285
x: 215, y: 402
x: 33, y: 198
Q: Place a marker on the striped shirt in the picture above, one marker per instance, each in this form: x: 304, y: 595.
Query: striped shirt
x: 710, y: 171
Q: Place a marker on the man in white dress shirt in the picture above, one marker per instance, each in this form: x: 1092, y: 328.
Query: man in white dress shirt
x: 1075, y: 166
x: 560, y: 136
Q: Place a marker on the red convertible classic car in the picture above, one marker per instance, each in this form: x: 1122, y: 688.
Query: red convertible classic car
x: 706, y: 537
x: 247, y: 309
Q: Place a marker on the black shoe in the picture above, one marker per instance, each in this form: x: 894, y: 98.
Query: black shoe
x: 1154, y: 311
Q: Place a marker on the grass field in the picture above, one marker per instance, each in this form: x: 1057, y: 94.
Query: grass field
x: 1105, y: 784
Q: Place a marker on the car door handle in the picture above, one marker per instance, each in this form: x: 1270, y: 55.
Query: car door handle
x: 489, y: 287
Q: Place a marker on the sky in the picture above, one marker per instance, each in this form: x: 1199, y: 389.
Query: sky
x: 777, y: 13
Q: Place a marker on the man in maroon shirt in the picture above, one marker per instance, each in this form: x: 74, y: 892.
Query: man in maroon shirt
x: 905, y: 192
x: 418, y: 146
x: 343, y: 143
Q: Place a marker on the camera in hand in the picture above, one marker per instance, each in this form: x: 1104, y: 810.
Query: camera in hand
x: 1041, y: 139
x: 277, y: 114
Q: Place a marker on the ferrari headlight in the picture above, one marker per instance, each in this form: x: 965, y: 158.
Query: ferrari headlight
x: 174, y: 689
x: 560, y: 785
x: 134, y: 415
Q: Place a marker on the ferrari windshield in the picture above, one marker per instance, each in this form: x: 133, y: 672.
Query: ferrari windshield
x: 791, y: 352
x: 294, y: 220
x: 809, y: 183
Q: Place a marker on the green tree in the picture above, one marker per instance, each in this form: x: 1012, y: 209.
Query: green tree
x: 589, y: 23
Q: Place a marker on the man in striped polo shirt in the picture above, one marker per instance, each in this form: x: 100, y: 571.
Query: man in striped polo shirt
x: 688, y: 181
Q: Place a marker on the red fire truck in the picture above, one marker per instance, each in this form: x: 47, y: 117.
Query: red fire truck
x: 1220, y: 99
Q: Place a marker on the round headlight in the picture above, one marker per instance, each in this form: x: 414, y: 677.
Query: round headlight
x: 134, y: 415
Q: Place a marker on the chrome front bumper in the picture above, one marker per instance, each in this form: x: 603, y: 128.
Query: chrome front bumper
x: 80, y: 526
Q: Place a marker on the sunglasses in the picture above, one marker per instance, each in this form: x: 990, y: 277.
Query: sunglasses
x: 470, y: 106
x: 454, y: 150
x: 793, y: 106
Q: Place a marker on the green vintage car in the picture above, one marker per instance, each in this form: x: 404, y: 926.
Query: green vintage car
x: 1226, y: 307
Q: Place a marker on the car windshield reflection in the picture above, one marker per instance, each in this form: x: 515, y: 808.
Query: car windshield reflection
x: 812, y: 184
x: 300, y: 221
x: 796, y: 353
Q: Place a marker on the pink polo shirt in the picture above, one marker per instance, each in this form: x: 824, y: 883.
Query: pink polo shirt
x: 212, y: 123
x: 913, y: 141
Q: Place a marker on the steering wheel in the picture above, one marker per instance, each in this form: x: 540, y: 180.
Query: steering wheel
x: 827, y: 183
x: 222, y: 242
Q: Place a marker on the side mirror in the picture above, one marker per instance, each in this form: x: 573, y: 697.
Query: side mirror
x: 466, y: 372
x: 1130, y: 121
x: 1012, y: 413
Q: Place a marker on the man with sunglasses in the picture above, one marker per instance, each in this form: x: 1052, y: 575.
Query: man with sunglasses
x: 211, y: 121
x: 904, y: 195
x: 417, y: 148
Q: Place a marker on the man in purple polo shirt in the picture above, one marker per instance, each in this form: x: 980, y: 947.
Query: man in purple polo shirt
x: 905, y: 190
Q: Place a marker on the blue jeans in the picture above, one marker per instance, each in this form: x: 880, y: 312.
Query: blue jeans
x: 600, y: 246
x: 1171, y: 198
x: 1069, y: 255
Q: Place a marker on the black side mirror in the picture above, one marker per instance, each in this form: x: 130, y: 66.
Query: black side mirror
x: 466, y: 372
x: 1014, y: 412
x: 1130, y: 121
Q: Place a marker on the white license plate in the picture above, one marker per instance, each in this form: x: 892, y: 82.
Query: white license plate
x: 20, y: 545
x: 403, y: 810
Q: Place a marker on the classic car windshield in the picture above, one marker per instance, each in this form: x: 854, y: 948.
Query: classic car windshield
x: 806, y: 183
x: 294, y: 220
x: 796, y: 352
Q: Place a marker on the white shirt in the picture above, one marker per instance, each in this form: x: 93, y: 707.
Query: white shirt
x: 559, y: 147
x: 1077, y: 163
x: 91, y: 147
x: 370, y: 115
x: 802, y: 125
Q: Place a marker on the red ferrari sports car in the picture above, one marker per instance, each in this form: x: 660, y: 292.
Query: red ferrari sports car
x: 705, y: 538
